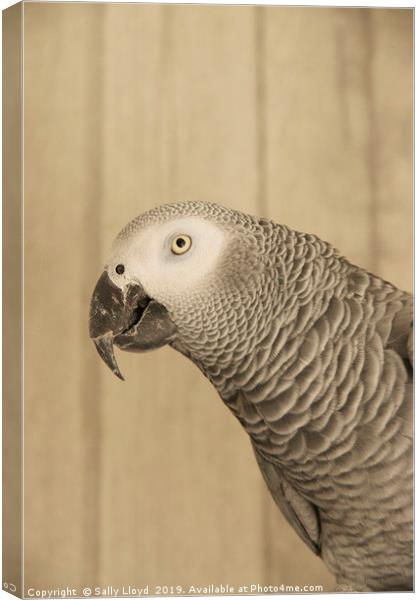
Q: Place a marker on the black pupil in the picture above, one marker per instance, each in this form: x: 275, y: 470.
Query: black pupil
x: 120, y: 269
x: 180, y: 242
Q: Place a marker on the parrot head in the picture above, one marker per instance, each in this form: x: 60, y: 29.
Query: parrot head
x: 180, y: 274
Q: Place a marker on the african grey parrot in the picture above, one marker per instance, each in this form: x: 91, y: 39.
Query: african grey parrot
x: 313, y: 355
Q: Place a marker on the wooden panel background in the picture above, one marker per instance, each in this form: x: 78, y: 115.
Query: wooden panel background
x: 301, y: 114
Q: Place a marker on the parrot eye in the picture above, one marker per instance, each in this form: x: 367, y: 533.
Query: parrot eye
x: 120, y: 269
x: 181, y: 244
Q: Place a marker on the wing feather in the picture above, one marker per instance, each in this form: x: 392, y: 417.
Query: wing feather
x: 301, y: 514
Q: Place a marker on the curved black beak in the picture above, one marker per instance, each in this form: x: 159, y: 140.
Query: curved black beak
x: 127, y: 318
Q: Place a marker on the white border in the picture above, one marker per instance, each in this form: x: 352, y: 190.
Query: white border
x: 366, y: 4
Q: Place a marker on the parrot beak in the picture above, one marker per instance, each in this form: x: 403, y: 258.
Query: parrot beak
x: 128, y: 318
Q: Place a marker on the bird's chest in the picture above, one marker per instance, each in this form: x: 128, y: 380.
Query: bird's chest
x: 278, y: 446
x: 249, y: 417
x: 335, y: 465
x: 280, y: 428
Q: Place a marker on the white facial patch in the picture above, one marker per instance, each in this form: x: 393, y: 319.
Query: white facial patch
x: 148, y: 259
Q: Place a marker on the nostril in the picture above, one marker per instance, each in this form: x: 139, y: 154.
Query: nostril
x: 120, y: 269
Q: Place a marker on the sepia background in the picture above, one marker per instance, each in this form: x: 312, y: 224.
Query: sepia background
x: 303, y: 115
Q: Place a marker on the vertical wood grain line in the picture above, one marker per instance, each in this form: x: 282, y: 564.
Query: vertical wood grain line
x: 372, y: 142
x: 261, y: 109
x: 167, y: 107
x: 91, y: 388
x: 262, y: 207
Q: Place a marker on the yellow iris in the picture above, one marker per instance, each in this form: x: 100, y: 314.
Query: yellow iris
x: 181, y: 244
